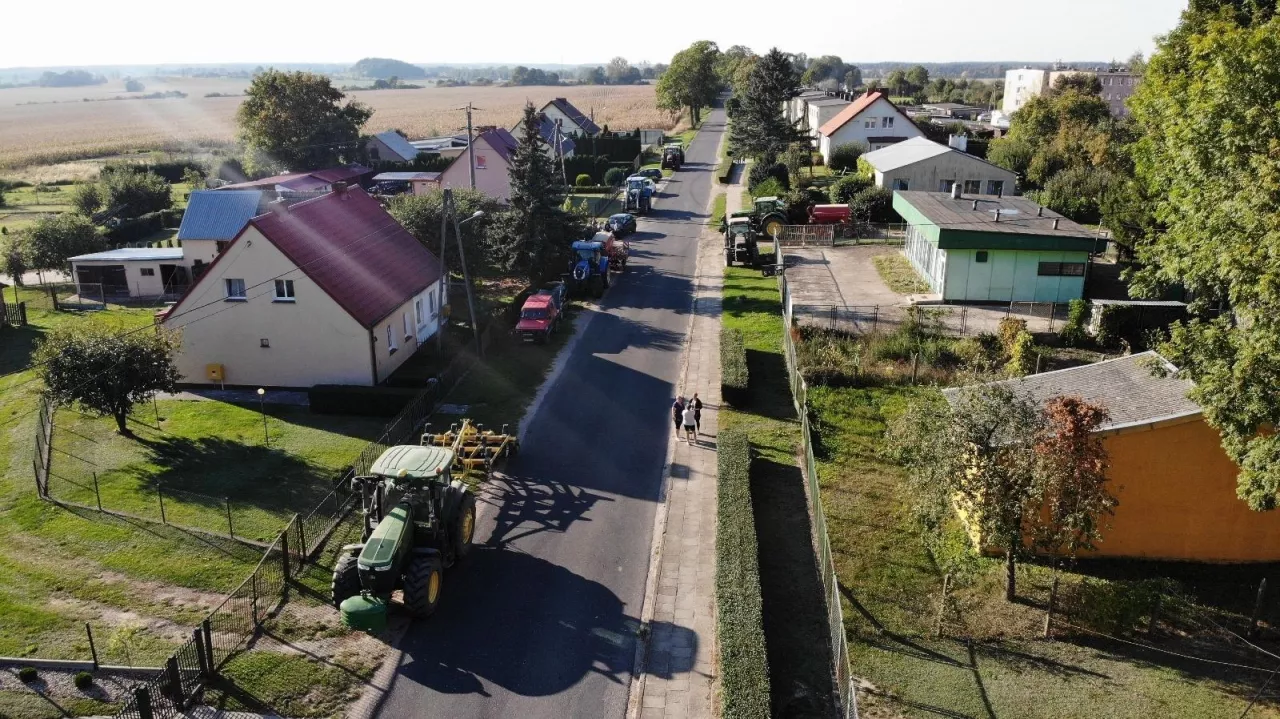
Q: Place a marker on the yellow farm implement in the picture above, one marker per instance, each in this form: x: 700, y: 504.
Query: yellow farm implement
x: 475, y: 449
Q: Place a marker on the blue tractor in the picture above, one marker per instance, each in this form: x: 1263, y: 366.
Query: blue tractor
x: 638, y: 199
x: 590, y: 271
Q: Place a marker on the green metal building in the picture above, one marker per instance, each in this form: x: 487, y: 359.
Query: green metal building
x: 984, y: 248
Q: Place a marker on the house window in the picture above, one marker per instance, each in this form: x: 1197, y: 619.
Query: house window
x: 148, y: 271
x: 1061, y: 269
x: 391, y: 341
x: 417, y: 311
x: 373, y: 154
x: 900, y: 184
x: 886, y: 122
x: 431, y: 303
x: 235, y: 288
x: 972, y: 187
x: 480, y: 162
x: 870, y: 123
x: 284, y: 291
x: 219, y: 246
x: 980, y: 256
x: 408, y: 328
x: 946, y: 185
x: 995, y: 187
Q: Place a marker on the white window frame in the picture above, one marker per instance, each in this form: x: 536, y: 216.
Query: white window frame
x: 408, y: 328
x: 869, y: 124
x: 417, y: 311
x: 431, y: 303
x: 227, y: 285
x: 391, y: 340
x: 991, y: 187
x: 289, y: 294
x: 886, y: 122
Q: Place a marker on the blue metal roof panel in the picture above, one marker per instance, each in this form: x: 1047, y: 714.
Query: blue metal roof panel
x: 218, y: 215
x: 397, y: 144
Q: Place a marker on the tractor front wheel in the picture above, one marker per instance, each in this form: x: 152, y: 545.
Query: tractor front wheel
x: 422, y: 585
x: 346, y: 579
x: 463, y: 527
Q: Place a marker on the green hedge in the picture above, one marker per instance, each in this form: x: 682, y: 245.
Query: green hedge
x: 144, y: 226
x: 733, y: 367
x: 724, y: 170
x: 358, y: 400
x: 744, y: 666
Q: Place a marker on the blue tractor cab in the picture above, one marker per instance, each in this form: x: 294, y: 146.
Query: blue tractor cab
x: 590, y: 271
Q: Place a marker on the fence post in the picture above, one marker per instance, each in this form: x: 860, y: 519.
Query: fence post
x: 302, y: 539
x: 160, y: 494
x: 175, y: 681
x: 53, y: 297
x: 253, y: 603
x: 202, y: 656
x: 284, y: 555
x: 207, y: 630
x: 231, y: 530
x: 964, y: 320
x: 142, y: 702
x: 915, y: 367
x: 1257, y: 608
x: 96, y: 492
x: 93, y: 649
x: 875, y: 319
x: 1048, y: 616
x: 1053, y: 310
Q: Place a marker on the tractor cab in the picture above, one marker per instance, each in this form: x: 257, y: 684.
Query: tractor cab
x: 588, y: 251
x: 740, y: 242
x: 765, y: 205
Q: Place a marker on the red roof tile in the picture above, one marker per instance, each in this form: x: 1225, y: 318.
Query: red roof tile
x: 356, y: 252
x: 863, y: 102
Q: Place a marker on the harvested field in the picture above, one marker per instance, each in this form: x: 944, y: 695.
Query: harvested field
x: 62, y: 127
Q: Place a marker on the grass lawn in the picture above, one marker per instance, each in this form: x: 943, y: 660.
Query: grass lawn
x: 990, y: 661
x: 717, y: 209
x: 24, y: 206
x: 899, y: 275
x: 795, y: 622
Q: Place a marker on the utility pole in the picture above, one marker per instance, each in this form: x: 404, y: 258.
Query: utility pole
x: 471, y: 154
x: 451, y: 213
x: 444, y: 267
x: 564, y: 175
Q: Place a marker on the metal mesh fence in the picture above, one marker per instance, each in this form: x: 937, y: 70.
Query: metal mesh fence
x: 44, y: 443
x: 949, y: 320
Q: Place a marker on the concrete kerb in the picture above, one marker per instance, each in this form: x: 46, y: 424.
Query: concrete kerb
x: 647, y: 609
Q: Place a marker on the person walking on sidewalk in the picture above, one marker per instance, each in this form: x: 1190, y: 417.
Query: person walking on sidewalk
x: 697, y: 412
x: 677, y: 413
x: 690, y: 424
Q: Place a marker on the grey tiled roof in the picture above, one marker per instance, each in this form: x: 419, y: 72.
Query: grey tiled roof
x: 1125, y: 387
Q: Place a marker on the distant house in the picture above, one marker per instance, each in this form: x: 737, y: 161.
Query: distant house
x: 447, y: 147
x: 572, y: 120
x: 131, y: 272
x: 797, y: 109
x: 331, y: 290
x: 420, y: 183
x: 493, y: 149
x: 390, y: 146
x: 871, y: 120
x: 983, y: 248
x: 922, y: 164
x: 212, y: 220
x: 953, y: 110
x: 1175, y: 485
x: 820, y: 111
x: 549, y: 131
x: 316, y: 182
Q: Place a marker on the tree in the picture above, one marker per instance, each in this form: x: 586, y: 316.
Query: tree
x: 1071, y: 467
x: 193, y: 177
x: 620, y: 72
x: 107, y: 372
x: 917, y: 78
x: 1078, y: 193
x: 760, y: 129
x: 843, y: 189
x: 691, y: 81
x: 827, y: 67
x: 729, y: 61
x: 592, y: 76
x: 873, y: 204
x: 896, y: 82
x: 1012, y: 154
x: 52, y: 240
x: 1216, y: 198
x: 532, y: 239
x: 132, y: 85
x: 1085, y: 83
x: 421, y: 215
x: 134, y: 190
x: 852, y: 78
x: 797, y: 156
x: 13, y: 256
x: 978, y: 451
x: 297, y: 121
x: 86, y: 198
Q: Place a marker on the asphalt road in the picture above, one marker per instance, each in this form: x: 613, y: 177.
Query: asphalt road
x: 540, y: 620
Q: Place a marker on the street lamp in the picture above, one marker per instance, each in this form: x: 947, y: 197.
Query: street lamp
x: 262, y: 408
x: 474, y: 216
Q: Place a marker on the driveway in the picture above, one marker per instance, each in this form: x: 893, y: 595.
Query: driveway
x: 541, y: 620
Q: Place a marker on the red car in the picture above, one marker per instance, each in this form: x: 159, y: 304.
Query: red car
x: 540, y: 314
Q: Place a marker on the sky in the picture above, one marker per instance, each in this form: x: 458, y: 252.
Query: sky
x: 141, y: 32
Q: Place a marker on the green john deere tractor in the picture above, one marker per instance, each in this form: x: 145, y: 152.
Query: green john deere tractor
x: 407, y: 546
x: 740, y: 243
x: 767, y: 216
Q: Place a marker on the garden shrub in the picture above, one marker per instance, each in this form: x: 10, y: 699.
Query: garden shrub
x: 744, y: 665
x: 734, y: 380
x: 83, y: 680
x: 768, y: 188
x: 761, y: 172
x: 615, y: 176
x: 1022, y: 358
x: 845, y: 157
x: 1009, y: 329
x: 1073, y: 331
x: 843, y: 189
x: 583, y: 180
x: 873, y: 204
x: 28, y: 674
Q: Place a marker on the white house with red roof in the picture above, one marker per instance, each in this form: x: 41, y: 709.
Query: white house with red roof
x: 331, y: 290
x: 493, y: 148
x: 871, y: 120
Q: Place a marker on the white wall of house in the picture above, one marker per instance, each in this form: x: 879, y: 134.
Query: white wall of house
x: 397, y: 336
x: 204, y: 250
x: 492, y: 172
x: 881, y: 119
x: 933, y: 175
x: 143, y: 276
x: 424, y: 187
x: 1021, y: 85
x: 311, y: 340
x: 820, y: 113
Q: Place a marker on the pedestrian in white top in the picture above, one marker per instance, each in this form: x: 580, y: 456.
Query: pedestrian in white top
x: 690, y: 423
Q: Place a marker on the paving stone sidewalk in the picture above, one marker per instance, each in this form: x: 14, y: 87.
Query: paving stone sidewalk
x: 681, y: 666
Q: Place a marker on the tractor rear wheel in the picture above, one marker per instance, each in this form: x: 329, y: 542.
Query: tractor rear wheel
x: 422, y: 585
x: 462, y: 528
x: 346, y: 579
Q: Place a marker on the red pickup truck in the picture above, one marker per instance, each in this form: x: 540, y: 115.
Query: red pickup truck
x: 540, y: 314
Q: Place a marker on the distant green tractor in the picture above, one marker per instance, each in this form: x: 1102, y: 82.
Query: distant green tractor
x: 767, y: 216
x: 407, y: 547
x: 740, y: 243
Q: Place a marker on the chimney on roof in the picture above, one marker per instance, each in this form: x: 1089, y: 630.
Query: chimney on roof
x: 955, y: 191
x: 279, y: 206
x: 339, y: 187
x: 1055, y: 223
